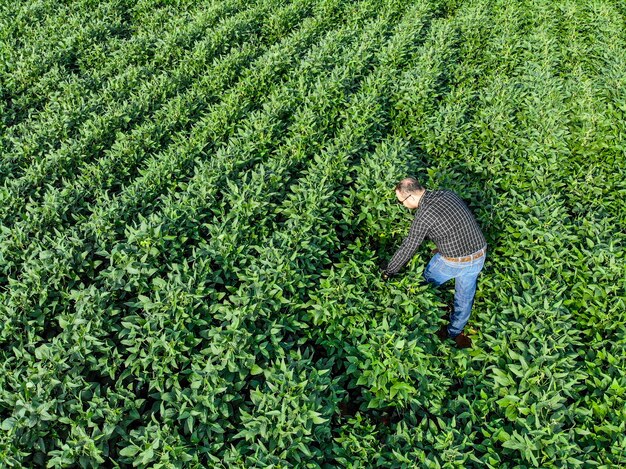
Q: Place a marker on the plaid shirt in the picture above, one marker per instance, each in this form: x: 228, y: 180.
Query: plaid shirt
x: 443, y: 217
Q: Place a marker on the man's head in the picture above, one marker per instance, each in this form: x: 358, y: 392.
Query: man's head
x: 409, y: 192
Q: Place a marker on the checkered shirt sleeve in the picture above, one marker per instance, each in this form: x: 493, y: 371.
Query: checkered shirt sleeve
x: 419, y: 229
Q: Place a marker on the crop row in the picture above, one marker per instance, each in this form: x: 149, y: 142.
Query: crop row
x: 65, y: 324
x: 38, y: 64
x: 104, y: 42
x: 123, y: 71
x: 222, y: 120
x: 219, y: 164
x: 101, y: 131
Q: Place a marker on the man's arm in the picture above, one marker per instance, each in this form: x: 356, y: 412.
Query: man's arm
x: 403, y: 255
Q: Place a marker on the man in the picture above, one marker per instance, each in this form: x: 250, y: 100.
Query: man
x: 461, y: 248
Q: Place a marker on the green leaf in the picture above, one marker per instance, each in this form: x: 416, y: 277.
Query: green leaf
x: 8, y: 424
x: 147, y: 455
x: 514, y: 444
x: 316, y: 417
x: 129, y: 451
x: 501, y: 378
x: 401, y: 388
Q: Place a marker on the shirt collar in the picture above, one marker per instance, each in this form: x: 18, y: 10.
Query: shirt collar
x: 421, y: 202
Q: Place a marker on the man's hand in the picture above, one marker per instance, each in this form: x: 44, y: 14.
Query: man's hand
x: 383, y: 271
x: 384, y: 274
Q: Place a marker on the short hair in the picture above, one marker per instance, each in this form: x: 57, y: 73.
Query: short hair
x: 409, y: 184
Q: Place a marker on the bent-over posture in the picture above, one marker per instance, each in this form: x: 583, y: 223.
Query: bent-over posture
x: 461, y: 248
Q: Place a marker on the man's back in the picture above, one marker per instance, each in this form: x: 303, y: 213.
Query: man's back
x: 450, y: 224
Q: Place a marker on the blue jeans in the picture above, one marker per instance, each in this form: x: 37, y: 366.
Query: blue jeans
x: 440, y: 270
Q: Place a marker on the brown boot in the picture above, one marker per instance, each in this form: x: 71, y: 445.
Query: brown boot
x: 463, y: 341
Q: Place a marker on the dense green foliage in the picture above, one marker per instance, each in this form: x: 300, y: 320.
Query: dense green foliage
x: 195, y: 197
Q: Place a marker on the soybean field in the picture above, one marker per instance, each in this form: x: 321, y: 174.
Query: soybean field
x: 196, y: 197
